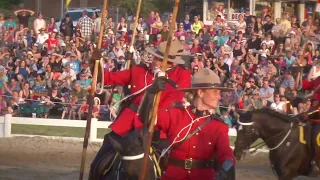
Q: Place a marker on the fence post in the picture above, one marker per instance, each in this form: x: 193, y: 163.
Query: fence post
x: 7, y: 125
x: 93, y: 130
x: 2, y: 126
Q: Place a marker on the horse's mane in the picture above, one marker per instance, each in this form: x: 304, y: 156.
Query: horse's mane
x: 274, y: 113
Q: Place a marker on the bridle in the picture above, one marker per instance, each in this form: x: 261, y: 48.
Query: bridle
x: 260, y: 145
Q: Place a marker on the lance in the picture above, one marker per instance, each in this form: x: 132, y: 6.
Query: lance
x: 131, y: 48
x: 157, y: 97
x: 91, y: 94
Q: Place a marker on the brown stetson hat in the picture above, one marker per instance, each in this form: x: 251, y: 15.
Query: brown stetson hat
x: 175, y: 52
x: 206, y: 79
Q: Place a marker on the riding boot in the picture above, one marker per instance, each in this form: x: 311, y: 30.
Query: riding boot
x: 103, y: 158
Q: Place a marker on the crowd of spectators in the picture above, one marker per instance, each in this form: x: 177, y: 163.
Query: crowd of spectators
x: 266, y: 62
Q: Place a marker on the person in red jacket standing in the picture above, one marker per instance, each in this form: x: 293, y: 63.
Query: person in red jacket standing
x: 139, y: 78
x: 199, y: 142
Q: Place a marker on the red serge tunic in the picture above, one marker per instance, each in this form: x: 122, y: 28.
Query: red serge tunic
x: 136, y: 78
x: 211, y: 140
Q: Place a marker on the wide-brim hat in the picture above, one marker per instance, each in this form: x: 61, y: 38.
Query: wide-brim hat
x: 206, y: 79
x: 175, y: 51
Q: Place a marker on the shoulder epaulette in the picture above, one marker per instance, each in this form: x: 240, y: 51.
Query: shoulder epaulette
x: 178, y: 105
x: 143, y: 66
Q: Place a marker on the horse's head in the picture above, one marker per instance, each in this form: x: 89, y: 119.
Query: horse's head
x: 247, y: 134
x: 131, y: 150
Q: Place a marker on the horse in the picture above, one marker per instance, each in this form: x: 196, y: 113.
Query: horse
x: 129, y: 160
x: 291, y: 151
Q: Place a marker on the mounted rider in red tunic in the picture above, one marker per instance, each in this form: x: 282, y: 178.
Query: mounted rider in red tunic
x: 199, y: 142
x: 139, y: 78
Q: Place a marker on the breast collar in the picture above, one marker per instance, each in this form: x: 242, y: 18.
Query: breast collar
x: 197, y: 112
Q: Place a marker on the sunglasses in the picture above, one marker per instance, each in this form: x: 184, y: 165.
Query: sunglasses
x: 251, y: 81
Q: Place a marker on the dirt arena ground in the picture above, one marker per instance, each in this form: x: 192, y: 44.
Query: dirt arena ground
x: 47, y: 159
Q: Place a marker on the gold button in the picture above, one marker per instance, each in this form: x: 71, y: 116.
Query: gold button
x: 194, y: 147
x: 189, y: 172
x: 209, y: 143
x: 134, y: 86
x: 197, y: 134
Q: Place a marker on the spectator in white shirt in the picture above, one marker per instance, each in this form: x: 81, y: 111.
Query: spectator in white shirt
x: 39, y: 23
x: 67, y: 77
x: 42, y: 37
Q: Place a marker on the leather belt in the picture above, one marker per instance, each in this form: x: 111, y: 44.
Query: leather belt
x: 192, y: 164
x: 134, y: 107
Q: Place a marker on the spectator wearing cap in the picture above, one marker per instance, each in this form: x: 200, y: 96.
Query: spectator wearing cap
x: 254, y: 102
x: 287, y: 83
x: 66, y: 27
x: 23, y: 16
x: 84, y: 82
x: 10, y: 24
x: 67, y: 77
x: 124, y: 36
x: 42, y: 37
x: 86, y: 25
x: 39, y: 23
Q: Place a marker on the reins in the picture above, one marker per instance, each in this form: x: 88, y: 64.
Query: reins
x: 261, y: 144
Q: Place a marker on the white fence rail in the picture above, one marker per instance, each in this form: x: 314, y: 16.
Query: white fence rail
x: 7, y: 121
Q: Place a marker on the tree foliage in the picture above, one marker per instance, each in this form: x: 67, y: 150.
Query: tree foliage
x: 8, y: 3
x: 146, y: 6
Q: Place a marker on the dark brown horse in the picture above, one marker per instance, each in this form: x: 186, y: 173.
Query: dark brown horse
x: 290, y: 153
x: 131, y: 153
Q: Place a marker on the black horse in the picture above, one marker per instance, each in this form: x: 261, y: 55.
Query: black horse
x: 291, y: 149
x: 128, y: 163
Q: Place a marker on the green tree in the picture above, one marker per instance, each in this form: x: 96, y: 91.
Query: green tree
x: 8, y: 3
x: 146, y: 6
